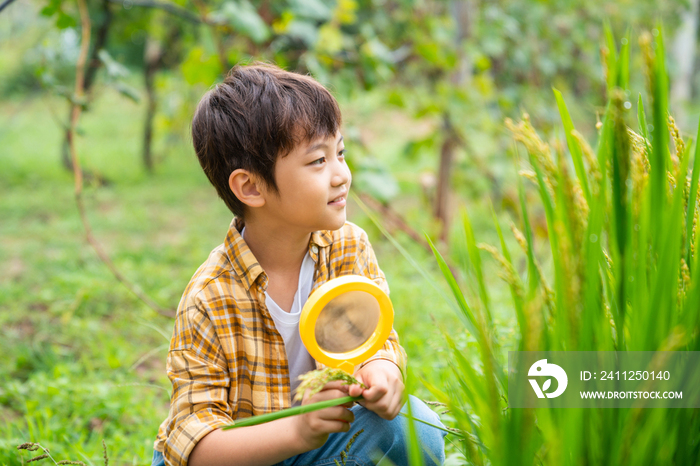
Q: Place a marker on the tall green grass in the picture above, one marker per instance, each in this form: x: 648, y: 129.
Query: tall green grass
x: 622, y: 238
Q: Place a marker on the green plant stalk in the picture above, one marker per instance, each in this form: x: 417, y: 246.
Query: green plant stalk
x: 533, y: 276
x: 663, y: 294
x: 269, y: 417
x: 553, y: 238
x: 458, y: 434
x: 487, y: 345
x: 263, y: 418
x: 574, y: 148
x: 478, y: 271
x: 465, y: 311
x: 474, y: 384
x: 619, y: 158
x: 623, y: 63
x: 415, y: 457
x: 596, y: 267
x: 659, y: 155
x: 560, y: 236
x: 692, y: 200
x: 592, y: 254
x: 517, y: 300
x: 642, y: 121
x: 611, y: 59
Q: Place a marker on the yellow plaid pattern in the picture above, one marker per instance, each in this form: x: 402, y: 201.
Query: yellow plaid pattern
x: 226, y: 359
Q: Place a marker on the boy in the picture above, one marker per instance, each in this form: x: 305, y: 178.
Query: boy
x: 269, y: 142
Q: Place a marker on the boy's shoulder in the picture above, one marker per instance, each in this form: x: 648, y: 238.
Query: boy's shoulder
x: 218, y: 275
x: 214, y: 270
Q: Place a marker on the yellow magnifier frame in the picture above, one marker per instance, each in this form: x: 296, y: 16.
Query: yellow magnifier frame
x: 318, y: 301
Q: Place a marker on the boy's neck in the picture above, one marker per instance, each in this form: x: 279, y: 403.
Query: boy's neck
x: 277, y: 250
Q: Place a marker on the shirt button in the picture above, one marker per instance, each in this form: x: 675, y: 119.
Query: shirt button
x: 314, y: 249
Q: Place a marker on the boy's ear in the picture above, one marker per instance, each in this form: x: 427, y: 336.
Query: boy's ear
x: 246, y: 187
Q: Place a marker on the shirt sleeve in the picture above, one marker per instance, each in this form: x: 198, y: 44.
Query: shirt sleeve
x: 366, y: 264
x: 197, y: 370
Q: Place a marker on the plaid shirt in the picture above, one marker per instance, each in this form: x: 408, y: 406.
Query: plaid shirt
x: 226, y: 359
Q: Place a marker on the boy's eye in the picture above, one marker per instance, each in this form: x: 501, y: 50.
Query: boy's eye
x: 341, y: 153
x: 318, y: 161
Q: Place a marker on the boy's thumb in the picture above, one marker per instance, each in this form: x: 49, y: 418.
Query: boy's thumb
x: 355, y: 390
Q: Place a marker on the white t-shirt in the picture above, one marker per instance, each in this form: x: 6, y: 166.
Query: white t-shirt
x: 287, y: 323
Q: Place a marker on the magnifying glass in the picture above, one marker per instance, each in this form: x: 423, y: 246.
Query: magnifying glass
x: 346, y: 321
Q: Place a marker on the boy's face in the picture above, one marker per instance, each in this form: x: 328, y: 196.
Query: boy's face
x: 313, y: 182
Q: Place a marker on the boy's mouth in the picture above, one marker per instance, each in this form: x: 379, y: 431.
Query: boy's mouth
x: 340, y: 200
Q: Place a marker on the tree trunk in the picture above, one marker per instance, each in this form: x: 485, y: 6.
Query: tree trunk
x: 93, y: 64
x: 463, y: 11
x: 442, y: 196
x: 152, y: 58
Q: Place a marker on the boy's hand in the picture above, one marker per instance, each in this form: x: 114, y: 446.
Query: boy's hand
x: 384, y: 392
x: 314, y: 428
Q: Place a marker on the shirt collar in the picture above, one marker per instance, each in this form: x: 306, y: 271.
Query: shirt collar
x: 247, y: 266
x: 321, y: 238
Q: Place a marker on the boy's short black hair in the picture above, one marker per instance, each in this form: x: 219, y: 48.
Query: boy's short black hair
x: 258, y: 113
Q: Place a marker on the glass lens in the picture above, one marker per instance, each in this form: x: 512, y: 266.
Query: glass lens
x: 347, y: 321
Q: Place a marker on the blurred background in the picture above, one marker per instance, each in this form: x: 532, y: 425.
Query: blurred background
x: 424, y: 87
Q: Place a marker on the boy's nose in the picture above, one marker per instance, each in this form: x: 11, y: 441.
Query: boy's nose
x: 341, y: 176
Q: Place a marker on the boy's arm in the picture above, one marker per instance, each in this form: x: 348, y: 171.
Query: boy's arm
x: 278, y: 440
x: 366, y: 264
x: 199, y: 406
x: 197, y: 370
x: 248, y: 445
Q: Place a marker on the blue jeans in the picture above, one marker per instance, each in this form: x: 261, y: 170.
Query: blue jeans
x: 382, y: 442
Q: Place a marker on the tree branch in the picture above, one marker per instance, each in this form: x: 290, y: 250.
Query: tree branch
x: 94, y: 62
x: 393, y: 217
x: 5, y: 4
x: 76, y: 110
x: 171, y: 8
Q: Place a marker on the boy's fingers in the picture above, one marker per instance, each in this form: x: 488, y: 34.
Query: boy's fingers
x: 345, y: 415
x: 396, y: 405
x: 375, y: 392
x: 324, y: 395
x: 355, y: 390
x: 335, y: 385
x: 336, y: 413
x: 335, y: 426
